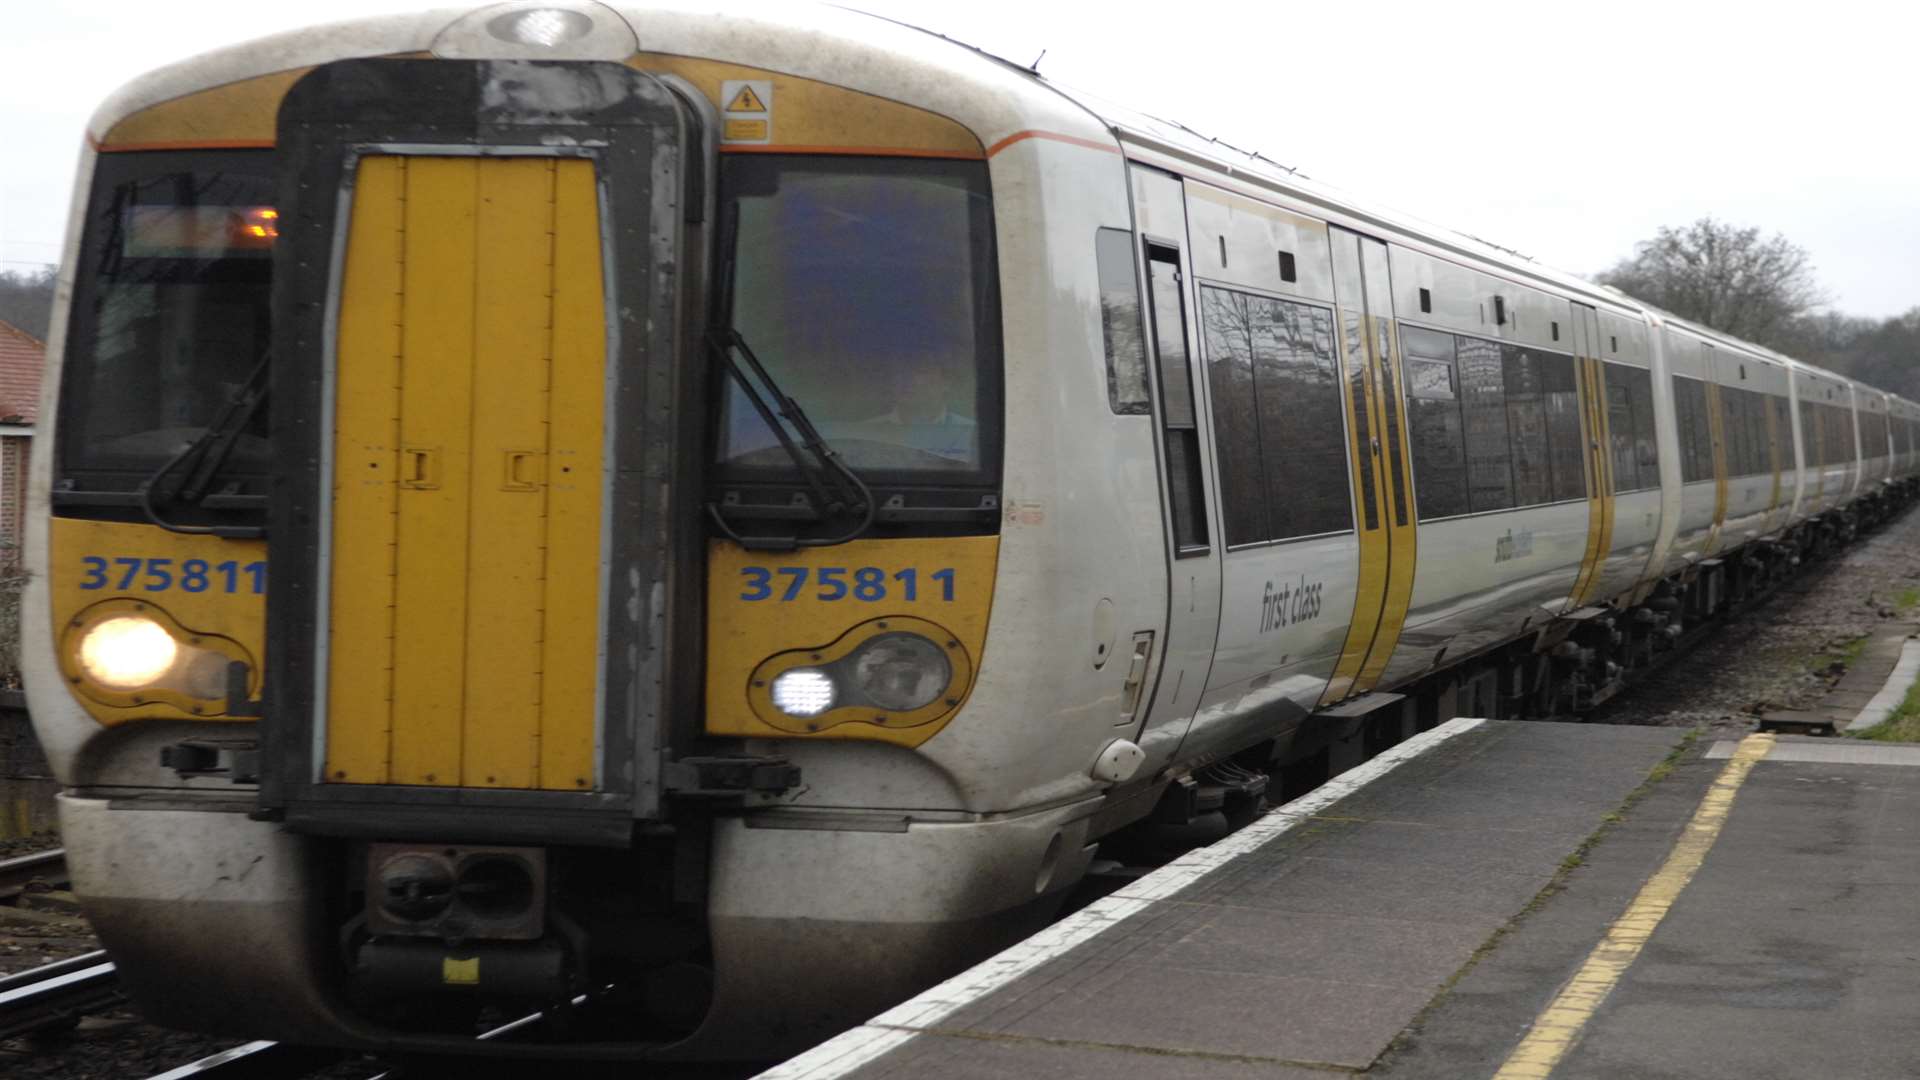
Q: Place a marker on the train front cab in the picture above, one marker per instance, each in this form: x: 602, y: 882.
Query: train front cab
x: 550, y: 600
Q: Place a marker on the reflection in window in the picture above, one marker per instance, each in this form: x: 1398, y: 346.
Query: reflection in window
x: 1494, y: 426
x: 1277, y: 419
x: 1120, y: 325
x: 1696, y: 436
x: 172, y: 313
x: 1439, y: 439
x: 867, y: 288
x: 1483, y: 407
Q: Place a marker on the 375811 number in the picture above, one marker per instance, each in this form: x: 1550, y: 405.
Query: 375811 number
x: 868, y: 584
x: 160, y: 575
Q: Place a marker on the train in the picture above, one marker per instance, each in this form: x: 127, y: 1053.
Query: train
x: 720, y: 516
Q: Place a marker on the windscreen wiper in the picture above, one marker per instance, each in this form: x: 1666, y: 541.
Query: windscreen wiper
x: 202, y: 461
x: 836, y: 488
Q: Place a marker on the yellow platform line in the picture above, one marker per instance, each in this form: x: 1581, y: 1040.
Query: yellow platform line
x: 1559, y: 1025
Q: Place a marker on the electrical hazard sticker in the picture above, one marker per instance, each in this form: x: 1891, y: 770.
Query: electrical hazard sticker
x: 746, y: 108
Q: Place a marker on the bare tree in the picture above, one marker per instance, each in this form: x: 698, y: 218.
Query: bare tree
x: 1726, y: 277
x: 26, y: 300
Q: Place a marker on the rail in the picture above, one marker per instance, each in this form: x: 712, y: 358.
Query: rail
x: 57, y: 994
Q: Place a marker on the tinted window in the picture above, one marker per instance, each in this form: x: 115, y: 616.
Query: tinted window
x: 1302, y: 436
x: 1277, y: 423
x: 1626, y: 475
x: 1646, y: 440
x: 1227, y: 323
x: 1120, y: 325
x: 171, y: 314
x: 1483, y: 407
x: 1696, y: 434
x: 1185, y: 497
x: 1433, y: 418
x: 1532, y: 469
x: 1566, y: 443
x: 866, y: 286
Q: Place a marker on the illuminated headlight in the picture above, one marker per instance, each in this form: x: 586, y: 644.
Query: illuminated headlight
x: 127, y: 652
x: 900, y: 672
x: 541, y: 26
x: 803, y: 692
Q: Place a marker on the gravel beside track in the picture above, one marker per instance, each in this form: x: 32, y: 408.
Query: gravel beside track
x: 1788, y: 650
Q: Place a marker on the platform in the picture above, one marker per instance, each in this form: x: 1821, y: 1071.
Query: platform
x: 1443, y: 910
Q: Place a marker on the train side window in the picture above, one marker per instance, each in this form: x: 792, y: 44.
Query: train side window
x: 1180, y: 433
x: 1626, y: 467
x: 1782, y: 434
x: 1696, y: 438
x: 1527, y: 426
x: 1646, y: 439
x: 1566, y: 443
x: 1227, y: 331
x: 1733, y: 427
x: 1438, y: 434
x: 1302, y: 437
x: 1120, y: 323
x: 1483, y: 406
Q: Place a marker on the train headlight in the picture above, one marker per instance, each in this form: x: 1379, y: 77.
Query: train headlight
x: 127, y: 652
x: 803, y: 692
x: 896, y: 671
x: 899, y: 671
x: 124, y: 652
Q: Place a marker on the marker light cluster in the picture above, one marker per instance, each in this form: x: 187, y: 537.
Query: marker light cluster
x: 896, y: 672
x: 540, y: 26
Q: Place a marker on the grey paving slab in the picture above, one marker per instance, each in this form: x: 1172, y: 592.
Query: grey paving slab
x: 1794, y: 952
x: 968, y: 1058
x: 1320, y: 947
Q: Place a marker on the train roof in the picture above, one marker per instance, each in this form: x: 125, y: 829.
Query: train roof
x: 869, y: 50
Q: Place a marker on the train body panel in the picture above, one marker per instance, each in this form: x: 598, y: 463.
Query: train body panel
x: 1226, y: 468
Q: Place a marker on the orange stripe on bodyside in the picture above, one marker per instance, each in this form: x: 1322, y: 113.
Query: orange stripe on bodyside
x: 181, y: 144
x: 1054, y: 136
x: 862, y: 151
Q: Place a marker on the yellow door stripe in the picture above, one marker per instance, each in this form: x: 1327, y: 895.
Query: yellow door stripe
x: 1717, y: 426
x: 1560, y: 1024
x: 1374, y: 552
x: 1590, y: 413
x: 1773, y: 453
x: 1402, y: 535
x: 1600, y: 496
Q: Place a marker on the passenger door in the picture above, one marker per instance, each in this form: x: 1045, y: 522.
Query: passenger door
x: 1594, y: 425
x: 1193, y: 567
x: 1382, y: 472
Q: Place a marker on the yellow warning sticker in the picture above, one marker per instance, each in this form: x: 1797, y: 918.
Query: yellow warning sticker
x: 457, y: 972
x: 745, y: 100
x: 746, y: 106
x: 745, y: 131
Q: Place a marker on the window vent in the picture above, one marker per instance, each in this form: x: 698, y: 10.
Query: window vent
x: 1426, y: 301
x: 1500, y: 311
x: 1288, y: 272
x: 1613, y: 343
x: 1556, y: 331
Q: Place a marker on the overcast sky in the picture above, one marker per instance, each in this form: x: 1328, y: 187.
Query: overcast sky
x: 1565, y: 131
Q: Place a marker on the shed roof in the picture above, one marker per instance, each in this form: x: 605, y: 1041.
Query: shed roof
x: 22, y: 358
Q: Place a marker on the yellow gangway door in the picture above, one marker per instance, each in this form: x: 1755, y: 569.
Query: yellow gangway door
x: 469, y: 391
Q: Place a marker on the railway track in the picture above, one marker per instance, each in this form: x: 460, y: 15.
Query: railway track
x: 19, y: 873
